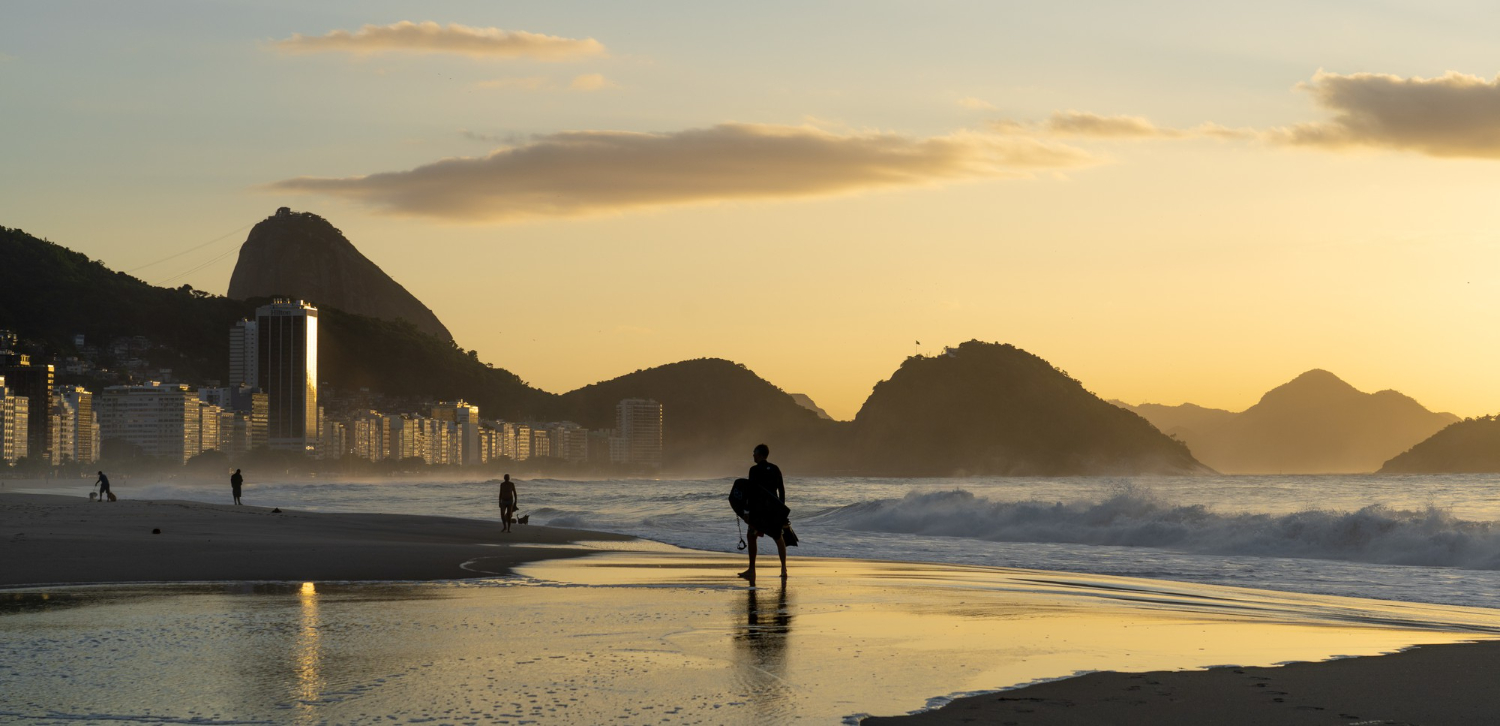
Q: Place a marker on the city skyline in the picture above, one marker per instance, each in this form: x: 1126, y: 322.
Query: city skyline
x: 1180, y: 214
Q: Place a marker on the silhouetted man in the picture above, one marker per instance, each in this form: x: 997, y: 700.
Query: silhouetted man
x: 767, y: 477
x: 104, y: 492
x: 235, y: 482
x: 508, y: 502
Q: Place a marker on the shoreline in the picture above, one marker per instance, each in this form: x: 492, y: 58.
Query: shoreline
x: 53, y: 540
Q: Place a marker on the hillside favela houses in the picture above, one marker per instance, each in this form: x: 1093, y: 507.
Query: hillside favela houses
x: 270, y: 406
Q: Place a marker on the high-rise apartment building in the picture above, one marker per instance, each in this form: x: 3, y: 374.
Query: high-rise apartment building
x: 244, y: 340
x: 370, y: 434
x: 286, y: 368
x: 35, y: 383
x: 465, y: 416
x: 243, y: 417
x: 159, y: 419
x: 209, y: 417
x: 638, y: 422
x: 515, y: 441
x: 14, y: 420
x: 77, y: 426
x: 570, y: 442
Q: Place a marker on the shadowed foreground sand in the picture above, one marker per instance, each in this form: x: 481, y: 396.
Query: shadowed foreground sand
x: 49, y: 539
x: 1437, y: 685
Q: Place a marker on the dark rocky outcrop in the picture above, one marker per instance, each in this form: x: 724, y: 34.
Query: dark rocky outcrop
x: 714, y: 412
x: 984, y: 408
x: 1471, y: 446
x: 1313, y: 424
x: 301, y: 255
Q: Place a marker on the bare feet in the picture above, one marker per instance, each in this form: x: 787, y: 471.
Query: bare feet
x: 748, y: 575
x: 783, y: 573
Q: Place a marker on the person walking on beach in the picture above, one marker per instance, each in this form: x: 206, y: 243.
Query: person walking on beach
x: 235, y: 482
x: 104, y: 492
x: 507, y: 502
x: 767, y: 477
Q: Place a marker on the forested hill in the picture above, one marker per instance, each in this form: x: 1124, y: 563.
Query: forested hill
x: 715, y: 412
x: 985, y: 408
x: 49, y: 293
x: 1471, y: 446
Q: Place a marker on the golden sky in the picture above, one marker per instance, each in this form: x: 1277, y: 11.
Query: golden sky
x: 1171, y: 201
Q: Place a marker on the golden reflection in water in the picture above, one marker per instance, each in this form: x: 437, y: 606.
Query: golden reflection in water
x: 307, y: 655
x: 761, y: 650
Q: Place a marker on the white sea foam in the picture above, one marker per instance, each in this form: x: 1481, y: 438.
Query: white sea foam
x: 1138, y: 517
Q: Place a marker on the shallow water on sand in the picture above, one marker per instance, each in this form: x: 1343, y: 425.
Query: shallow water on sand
x: 663, y: 636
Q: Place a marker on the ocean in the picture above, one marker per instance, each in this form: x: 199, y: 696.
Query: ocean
x: 1429, y: 539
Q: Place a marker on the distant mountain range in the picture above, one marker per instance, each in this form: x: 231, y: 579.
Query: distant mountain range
x: 301, y: 255
x: 1313, y: 424
x: 981, y: 408
x: 806, y: 402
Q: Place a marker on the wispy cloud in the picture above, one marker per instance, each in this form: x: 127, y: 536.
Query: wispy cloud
x: 525, y: 83
x: 590, y: 82
x: 586, y: 82
x: 509, y: 140
x: 1454, y: 115
x: 1082, y: 124
x: 430, y: 37
x: 977, y: 104
x: 592, y: 172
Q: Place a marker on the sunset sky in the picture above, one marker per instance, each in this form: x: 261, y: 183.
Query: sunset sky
x: 1173, y: 201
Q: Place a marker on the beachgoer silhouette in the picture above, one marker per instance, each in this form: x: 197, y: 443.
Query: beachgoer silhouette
x: 235, y: 482
x: 103, y: 483
x: 508, y: 502
x: 767, y: 476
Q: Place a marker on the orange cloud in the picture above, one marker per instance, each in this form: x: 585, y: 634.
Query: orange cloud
x: 591, y: 172
x: 429, y: 37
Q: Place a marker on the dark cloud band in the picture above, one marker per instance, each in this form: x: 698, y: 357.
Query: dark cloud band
x: 591, y: 172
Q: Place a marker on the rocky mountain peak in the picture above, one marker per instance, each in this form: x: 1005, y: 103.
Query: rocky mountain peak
x: 302, y: 255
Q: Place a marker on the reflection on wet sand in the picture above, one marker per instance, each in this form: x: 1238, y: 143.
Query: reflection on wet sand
x: 761, y: 644
x: 308, y: 655
x: 647, y: 638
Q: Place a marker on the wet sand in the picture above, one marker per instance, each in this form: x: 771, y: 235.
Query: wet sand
x: 52, y: 539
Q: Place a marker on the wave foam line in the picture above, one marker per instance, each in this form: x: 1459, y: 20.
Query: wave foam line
x: 1136, y: 517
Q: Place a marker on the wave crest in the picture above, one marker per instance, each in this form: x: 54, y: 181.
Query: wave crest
x: 1135, y: 517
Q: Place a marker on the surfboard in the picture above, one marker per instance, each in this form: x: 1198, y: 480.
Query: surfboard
x: 759, y: 508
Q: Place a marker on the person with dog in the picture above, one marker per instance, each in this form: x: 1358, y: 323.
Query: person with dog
x: 103, y: 483
x: 508, y: 501
x: 767, y: 477
x: 235, y: 482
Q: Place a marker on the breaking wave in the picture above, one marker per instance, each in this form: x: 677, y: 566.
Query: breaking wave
x: 1135, y: 517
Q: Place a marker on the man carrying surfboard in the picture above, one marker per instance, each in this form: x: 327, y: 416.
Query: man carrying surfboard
x: 764, y: 508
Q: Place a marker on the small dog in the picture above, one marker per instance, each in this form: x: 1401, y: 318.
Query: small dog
x: 525, y: 519
x: 93, y: 496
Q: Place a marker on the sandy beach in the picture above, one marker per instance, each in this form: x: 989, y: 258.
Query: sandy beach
x: 1449, y: 685
x: 54, y: 539
x: 590, y: 627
